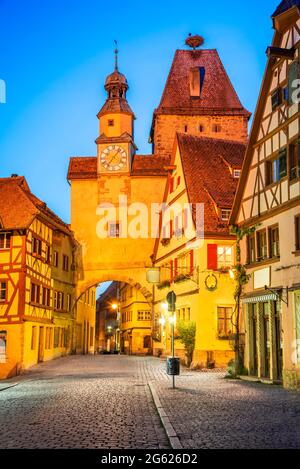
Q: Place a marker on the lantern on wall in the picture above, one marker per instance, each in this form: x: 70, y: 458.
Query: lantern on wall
x: 153, y: 275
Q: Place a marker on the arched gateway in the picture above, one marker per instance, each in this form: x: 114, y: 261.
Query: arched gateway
x: 111, y: 197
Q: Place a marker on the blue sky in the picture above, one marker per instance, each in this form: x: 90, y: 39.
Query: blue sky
x: 55, y: 55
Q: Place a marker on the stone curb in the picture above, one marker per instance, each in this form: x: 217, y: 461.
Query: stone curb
x: 8, y: 386
x: 169, y: 429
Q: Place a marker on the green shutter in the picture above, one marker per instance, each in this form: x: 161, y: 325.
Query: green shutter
x: 293, y: 75
x: 282, y: 163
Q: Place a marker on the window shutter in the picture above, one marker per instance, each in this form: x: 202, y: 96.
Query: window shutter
x: 171, y: 185
x: 191, y: 262
x: 171, y: 229
x: 212, y: 258
x: 293, y: 75
x: 298, y: 169
x: 171, y: 271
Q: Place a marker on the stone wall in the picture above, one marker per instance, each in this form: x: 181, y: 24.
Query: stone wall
x: 166, y: 127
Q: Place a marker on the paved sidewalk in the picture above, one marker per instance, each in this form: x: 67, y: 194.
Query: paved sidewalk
x: 105, y: 402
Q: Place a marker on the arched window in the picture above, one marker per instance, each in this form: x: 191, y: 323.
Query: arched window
x: 3, y: 340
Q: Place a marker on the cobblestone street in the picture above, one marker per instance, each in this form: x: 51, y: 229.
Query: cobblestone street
x: 106, y: 402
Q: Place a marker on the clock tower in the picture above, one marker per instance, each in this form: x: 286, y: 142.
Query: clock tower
x: 115, y: 143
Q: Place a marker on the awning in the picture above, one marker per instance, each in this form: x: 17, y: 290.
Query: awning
x: 260, y: 298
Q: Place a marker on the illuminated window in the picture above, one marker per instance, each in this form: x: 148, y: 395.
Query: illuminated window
x: 225, y: 257
x: 237, y: 174
x: 224, y: 322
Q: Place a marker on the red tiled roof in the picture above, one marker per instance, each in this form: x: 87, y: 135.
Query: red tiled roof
x: 286, y: 5
x: 149, y: 165
x: 143, y: 165
x: 19, y: 206
x: 218, y: 94
x: 207, y: 176
x: 82, y: 167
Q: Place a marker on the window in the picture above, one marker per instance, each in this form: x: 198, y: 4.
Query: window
x: 216, y: 128
x: 262, y: 245
x: 65, y: 263
x: 271, y: 173
x: 144, y: 316
x: 3, y: 291
x: 36, y: 246
x: 276, y: 98
x: 294, y: 160
x: 60, y: 300
x: 111, y: 122
x: 188, y: 314
x: 297, y: 232
x: 3, y: 342
x: 147, y: 341
x: 114, y: 230
x: 274, y: 242
x: 46, y: 297
x: 282, y: 170
x: 33, y: 337
x: 276, y: 169
x: 5, y: 240
x: 48, y: 254
x: 185, y: 128
x: 35, y: 296
x: 224, y: 322
x: 237, y: 173
x: 201, y: 128
x: 251, y: 254
x: 225, y: 257
x: 55, y: 259
x: 225, y: 214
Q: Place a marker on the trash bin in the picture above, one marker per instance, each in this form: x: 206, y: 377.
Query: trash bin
x: 173, y: 366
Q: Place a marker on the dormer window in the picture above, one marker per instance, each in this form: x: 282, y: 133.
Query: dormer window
x: 196, y: 81
x: 236, y: 173
x: 225, y: 214
x: 111, y: 122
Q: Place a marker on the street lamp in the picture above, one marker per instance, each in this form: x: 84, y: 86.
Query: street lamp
x: 115, y: 307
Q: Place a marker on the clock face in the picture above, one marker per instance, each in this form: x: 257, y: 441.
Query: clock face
x: 113, y: 158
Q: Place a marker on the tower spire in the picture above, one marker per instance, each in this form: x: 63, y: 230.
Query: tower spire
x: 116, y: 55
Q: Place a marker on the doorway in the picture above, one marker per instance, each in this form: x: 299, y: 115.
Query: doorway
x: 278, y: 341
x: 41, y: 345
x: 253, y: 344
x: 266, y: 343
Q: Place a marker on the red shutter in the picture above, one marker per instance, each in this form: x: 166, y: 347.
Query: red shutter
x: 212, y: 258
x: 171, y: 185
x: 171, y: 229
x: 175, y: 268
x: 178, y: 181
x: 191, y: 262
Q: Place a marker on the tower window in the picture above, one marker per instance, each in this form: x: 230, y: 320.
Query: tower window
x: 111, y: 122
x: 201, y: 128
x: 216, y: 128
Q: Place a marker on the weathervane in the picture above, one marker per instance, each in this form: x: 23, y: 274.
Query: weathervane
x: 194, y: 41
x: 116, y: 55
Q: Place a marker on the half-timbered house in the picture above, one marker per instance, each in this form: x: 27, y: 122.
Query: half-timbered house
x: 37, y: 280
x: 269, y: 198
